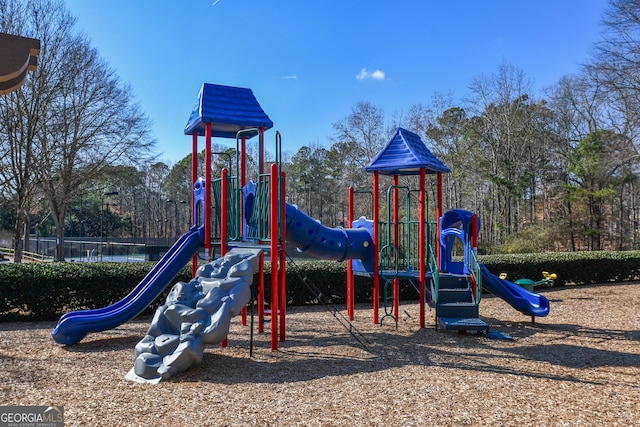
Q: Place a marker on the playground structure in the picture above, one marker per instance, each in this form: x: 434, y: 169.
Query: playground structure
x: 233, y: 213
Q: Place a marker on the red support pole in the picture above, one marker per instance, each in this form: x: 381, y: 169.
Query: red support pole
x: 376, y: 260
x: 244, y: 316
x: 207, y: 194
x: 350, y: 278
x: 194, y: 178
x: 423, y: 246
x: 438, y: 215
x: 283, y: 261
x: 396, y: 242
x: 273, y: 184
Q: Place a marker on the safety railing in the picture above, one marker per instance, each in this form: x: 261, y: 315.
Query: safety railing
x: 476, y: 276
x: 435, y: 277
x: 27, y: 256
x: 408, y: 244
x: 259, y: 222
x: 233, y: 208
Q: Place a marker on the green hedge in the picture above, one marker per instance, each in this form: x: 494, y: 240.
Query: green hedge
x: 42, y: 291
x: 329, y: 277
x: 572, y: 268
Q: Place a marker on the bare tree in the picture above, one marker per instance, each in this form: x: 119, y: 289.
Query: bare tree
x: 85, y: 119
x: 616, y: 64
x: 359, y: 137
x: 499, y: 101
x: 22, y: 114
x: 93, y: 124
x: 448, y: 136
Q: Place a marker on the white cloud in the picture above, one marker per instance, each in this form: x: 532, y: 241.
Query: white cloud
x: 291, y: 77
x: 375, y: 75
x: 378, y: 75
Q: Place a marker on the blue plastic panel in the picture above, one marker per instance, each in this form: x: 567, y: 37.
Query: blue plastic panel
x: 405, y: 154
x: 229, y: 109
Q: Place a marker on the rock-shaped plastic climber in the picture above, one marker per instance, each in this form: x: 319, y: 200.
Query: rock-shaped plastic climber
x: 195, y: 313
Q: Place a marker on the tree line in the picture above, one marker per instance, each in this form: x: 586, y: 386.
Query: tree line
x: 555, y: 171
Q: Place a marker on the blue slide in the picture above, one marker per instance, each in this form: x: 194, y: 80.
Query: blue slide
x: 524, y: 301
x: 73, y: 326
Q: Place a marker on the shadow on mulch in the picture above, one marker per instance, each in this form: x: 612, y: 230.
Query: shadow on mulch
x: 304, y: 357
x: 126, y: 342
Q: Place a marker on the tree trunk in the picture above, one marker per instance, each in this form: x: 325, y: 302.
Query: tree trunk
x: 58, y: 213
x: 27, y: 229
x: 17, y: 239
x: 572, y: 237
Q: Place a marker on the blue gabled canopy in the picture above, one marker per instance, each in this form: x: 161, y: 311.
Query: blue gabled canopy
x: 405, y: 154
x: 229, y: 109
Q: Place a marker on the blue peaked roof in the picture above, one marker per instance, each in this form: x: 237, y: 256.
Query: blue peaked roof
x: 229, y: 109
x: 405, y: 154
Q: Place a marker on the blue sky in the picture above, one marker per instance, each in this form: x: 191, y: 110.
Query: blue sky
x: 309, y: 62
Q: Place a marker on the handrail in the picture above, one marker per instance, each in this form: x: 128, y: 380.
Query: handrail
x: 435, y: 275
x: 278, y: 149
x: 243, y: 132
x: 259, y: 223
x: 384, y: 256
x: 222, y: 153
x: 476, y: 274
x: 235, y: 217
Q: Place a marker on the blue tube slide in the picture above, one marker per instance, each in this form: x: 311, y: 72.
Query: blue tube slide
x: 524, y: 301
x: 334, y: 244
x: 75, y: 325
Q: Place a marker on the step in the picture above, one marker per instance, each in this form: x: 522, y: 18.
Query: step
x: 462, y: 324
x: 453, y: 281
x: 457, y: 309
x: 455, y: 295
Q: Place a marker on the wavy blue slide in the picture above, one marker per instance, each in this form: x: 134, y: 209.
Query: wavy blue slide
x: 524, y: 301
x: 333, y: 244
x: 75, y: 325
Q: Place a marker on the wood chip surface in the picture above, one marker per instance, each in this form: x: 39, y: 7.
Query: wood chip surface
x: 579, y: 366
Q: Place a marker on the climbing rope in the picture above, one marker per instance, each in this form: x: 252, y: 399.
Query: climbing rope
x: 335, y: 311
